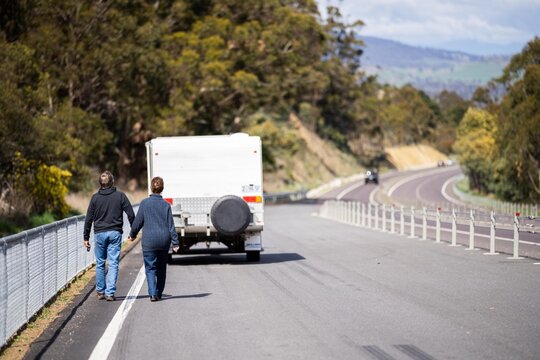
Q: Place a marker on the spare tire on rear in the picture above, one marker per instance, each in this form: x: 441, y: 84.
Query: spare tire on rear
x: 230, y: 215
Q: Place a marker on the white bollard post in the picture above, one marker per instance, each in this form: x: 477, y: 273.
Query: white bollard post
x: 392, y: 220
x: 438, y: 226
x: 384, y: 217
x: 413, y: 225
x: 454, y: 228
x: 402, y: 221
x: 376, y: 216
x: 369, y: 215
x: 471, y: 231
x: 363, y: 215
x: 516, y: 238
x: 424, y: 224
x: 492, y: 236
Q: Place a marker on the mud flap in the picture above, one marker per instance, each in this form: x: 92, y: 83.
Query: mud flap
x: 253, y: 242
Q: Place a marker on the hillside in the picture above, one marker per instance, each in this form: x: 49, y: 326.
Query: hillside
x: 413, y: 157
x: 428, y: 69
x: 316, y: 162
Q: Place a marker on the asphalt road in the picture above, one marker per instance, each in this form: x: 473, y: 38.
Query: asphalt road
x: 323, y: 290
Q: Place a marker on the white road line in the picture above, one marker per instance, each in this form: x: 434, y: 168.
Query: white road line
x: 414, y: 177
x: 348, y: 190
x: 417, y: 192
x: 106, y: 342
x: 448, y: 197
x: 372, y: 196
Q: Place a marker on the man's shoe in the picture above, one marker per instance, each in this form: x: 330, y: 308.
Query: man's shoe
x: 110, y: 298
x: 100, y: 295
x: 154, y: 298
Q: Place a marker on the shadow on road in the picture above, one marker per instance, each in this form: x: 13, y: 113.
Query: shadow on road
x: 224, y: 258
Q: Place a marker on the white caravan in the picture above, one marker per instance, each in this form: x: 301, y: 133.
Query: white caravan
x: 215, y: 187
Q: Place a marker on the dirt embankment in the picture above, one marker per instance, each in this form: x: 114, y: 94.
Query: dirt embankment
x: 411, y: 157
x: 317, y: 162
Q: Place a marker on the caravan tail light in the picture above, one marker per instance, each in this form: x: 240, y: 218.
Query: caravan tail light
x: 253, y: 199
x: 169, y: 200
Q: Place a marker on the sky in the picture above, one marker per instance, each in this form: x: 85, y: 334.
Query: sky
x: 481, y: 27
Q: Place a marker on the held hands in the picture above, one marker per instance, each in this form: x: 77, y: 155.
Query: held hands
x: 131, y: 238
x: 175, y: 248
x: 87, y: 245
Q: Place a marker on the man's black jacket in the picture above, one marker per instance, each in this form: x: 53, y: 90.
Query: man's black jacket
x: 105, y: 211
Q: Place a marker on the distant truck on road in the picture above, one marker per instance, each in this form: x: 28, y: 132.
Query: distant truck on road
x: 215, y: 187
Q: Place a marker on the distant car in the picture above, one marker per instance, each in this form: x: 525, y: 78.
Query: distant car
x: 372, y: 176
x: 445, y: 163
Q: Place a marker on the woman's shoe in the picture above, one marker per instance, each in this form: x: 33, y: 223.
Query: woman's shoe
x: 154, y: 298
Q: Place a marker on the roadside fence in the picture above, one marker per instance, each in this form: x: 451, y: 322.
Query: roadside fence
x: 35, y: 265
x: 433, y: 221
x: 285, y: 197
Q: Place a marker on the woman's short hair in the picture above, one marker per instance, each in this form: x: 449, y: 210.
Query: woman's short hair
x: 106, y: 179
x: 156, y: 185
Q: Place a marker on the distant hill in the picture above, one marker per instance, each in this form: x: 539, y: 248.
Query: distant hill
x: 428, y: 69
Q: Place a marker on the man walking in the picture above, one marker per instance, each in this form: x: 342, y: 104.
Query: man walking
x: 105, y: 211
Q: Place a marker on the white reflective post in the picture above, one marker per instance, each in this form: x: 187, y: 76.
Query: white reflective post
x: 471, y: 230
x: 516, y: 238
x: 369, y: 215
x: 363, y: 215
x: 402, y: 221
x: 454, y: 228
x: 413, y: 225
x: 392, y: 220
x: 438, y: 226
x: 424, y: 223
x: 384, y: 217
x: 492, y: 236
x: 376, y: 216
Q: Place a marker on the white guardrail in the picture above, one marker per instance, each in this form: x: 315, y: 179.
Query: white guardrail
x: 394, y: 219
x: 36, y: 264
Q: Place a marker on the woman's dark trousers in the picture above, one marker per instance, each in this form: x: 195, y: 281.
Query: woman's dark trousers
x: 155, y: 265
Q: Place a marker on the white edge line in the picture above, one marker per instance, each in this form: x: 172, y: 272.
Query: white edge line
x: 372, y: 196
x: 106, y: 342
x: 414, y: 177
x: 448, y: 197
x: 348, y: 190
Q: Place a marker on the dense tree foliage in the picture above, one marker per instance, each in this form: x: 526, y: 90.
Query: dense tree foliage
x: 84, y: 84
x: 514, y: 141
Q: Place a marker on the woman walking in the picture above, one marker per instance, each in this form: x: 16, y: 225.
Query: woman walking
x: 155, y: 216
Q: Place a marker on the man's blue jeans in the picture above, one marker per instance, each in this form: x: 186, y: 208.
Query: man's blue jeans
x: 108, y: 245
x: 155, y: 265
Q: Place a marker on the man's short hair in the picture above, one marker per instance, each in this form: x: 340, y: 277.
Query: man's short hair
x: 106, y: 179
x: 156, y: 185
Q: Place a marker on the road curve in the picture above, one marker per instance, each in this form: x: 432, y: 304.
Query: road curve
x: 408, y: 187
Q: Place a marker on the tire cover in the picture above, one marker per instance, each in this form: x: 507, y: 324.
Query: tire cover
x: 230, y: 215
